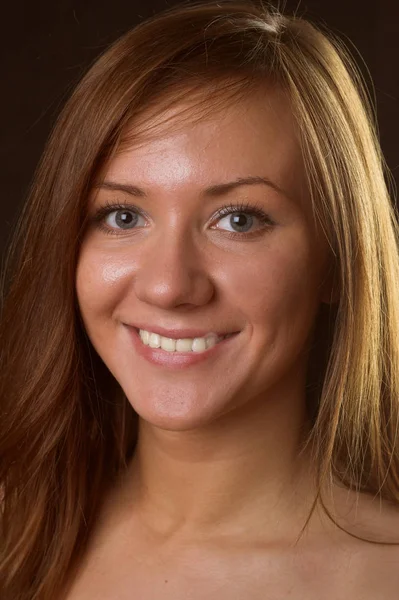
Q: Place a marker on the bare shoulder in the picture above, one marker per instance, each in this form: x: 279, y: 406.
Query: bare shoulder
x: 330, y: 565
x: 367, y: 515
x: 373, y: 565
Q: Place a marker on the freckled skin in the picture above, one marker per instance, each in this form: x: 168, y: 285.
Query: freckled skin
x: 179, y: 267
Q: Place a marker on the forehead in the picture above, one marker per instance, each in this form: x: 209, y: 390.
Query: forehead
x: 202, y: 141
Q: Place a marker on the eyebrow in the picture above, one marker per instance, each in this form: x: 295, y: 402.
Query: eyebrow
x: 218, y: 189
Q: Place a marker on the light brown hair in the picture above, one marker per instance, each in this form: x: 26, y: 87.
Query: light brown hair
x: 66, y: 427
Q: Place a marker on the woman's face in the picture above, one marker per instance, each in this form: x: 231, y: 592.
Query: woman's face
x: 164, y: 258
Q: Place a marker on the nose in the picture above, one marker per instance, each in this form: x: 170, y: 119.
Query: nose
x: 173, y: 272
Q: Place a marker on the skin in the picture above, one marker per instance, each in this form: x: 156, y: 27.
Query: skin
x: 178, y: 271
x: 217, y: 490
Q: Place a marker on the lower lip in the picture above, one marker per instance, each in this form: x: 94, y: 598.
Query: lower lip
x: 176, y: 360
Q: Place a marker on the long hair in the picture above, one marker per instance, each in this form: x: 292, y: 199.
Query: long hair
x: 67, y: 429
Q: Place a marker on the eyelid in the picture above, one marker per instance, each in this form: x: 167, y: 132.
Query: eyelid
x: 246, y: 207
x: 253, y: 209
x: 109, y: 207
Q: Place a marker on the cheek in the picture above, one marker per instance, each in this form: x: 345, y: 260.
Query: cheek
x: 99, y: 280
x: 263, y: 284
x: 281, y: 281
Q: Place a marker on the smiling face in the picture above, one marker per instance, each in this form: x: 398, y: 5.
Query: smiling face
x: 165, y: 258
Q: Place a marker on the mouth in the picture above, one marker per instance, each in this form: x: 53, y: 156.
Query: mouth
x: 162, y: 352
x: 183, y: 343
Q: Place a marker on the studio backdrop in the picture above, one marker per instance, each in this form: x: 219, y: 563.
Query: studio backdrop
x: 47, y: 46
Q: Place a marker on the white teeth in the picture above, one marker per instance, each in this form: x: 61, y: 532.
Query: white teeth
x: 168, y: 344
x: 184, y: 345
x: 199, y: 345
x: 212, y: 341
x: 155, y: 340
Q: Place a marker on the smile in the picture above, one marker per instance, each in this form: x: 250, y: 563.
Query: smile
x: 198, y: 344
x: 179, y: 359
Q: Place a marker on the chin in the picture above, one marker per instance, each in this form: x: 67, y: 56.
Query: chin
x: 175, y: 415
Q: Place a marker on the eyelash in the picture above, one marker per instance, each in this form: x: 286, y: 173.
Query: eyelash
x: 254, y: 210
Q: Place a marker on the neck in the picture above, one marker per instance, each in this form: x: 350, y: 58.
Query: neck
x: 244, y: 472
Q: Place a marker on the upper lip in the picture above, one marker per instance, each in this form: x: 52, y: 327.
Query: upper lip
x: 179, y: 333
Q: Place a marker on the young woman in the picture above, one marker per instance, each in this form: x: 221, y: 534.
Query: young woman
x: 200, y: 331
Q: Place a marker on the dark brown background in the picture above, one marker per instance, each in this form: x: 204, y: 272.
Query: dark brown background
x: 47, y: 45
